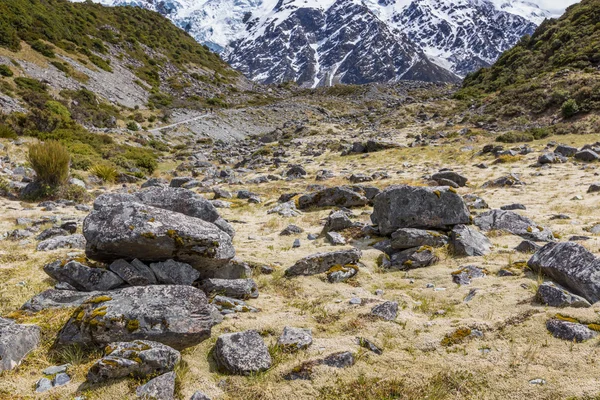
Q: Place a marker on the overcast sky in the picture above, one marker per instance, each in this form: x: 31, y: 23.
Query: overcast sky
x: 555, y: 4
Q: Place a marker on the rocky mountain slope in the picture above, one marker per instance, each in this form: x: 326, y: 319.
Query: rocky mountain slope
x: 458, y: 36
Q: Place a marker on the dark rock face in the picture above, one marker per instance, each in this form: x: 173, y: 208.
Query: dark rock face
x: 178, y: 316
x: 418, y: 207
x: 571, y: 331
x: 322, y: 262
x: 514, y: 223
x: 332, y: 197
x: 570, y: 265
x: 344, y: 43
x: 417, y: 257
x: 467, y: 242
x: 555, y: 296
x: 174, y: 273
x: 242, y: 353
x: 451, y: 176
x: 83, y: 277
x: 135, y: 230
x: 16, y: 340
x: 140, y: 358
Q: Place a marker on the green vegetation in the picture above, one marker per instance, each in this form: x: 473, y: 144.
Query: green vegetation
x: 106, y: 173
x: 5, y: 70
x: 527, y: 136
x: 50, y: 161
x: 554, y: 69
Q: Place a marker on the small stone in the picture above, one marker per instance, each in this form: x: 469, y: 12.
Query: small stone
x: 343, y: 359
x: 61, y: 379
x: 160, y: 388
x: 293, y: 339
x: 355, y: 301
x: 387, y: 311
x: 43, y: 385
x: 291, y: 230
x: 296, y: 244
x: 56, y: 369
x: 335, y: 238
x: 367, y: 344
x: 199, y: 396
x: 538, y: 381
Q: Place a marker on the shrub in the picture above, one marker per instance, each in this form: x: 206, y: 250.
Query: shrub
x: 5, y: 70
x: 515, y: 137
x: 43, y: 48
x: 6, y: 132
x: 133, y: 126
x: 50, y: 161
x: 569, y: 108
x: 106, y: 173
x: 74, y: 193
x: 31, y: 84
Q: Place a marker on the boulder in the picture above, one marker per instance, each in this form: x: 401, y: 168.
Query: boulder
x: 242, y: 353
x: 343, y: 359
x: 570, y: 265
x: 387, y: 311
x: 338, y: 221
x: 335, y: 238
x: 406, y: 238
x: 135, y: 230
x: 236, y: 288
x: 555, y: 296
x: 513, y: 223
x: 417, y: 257
x: 571, y: 331
x: 341, y: 273
x: 140, y: 358
x: 452, y: 176
x: 464, y: 275
x: 566, y: 151
x: 54, y: 298
x: 321, y: 262
x: 293, y: 339
x: 16, y: 341
x: 467, y: 242
x: 332, y: 197
x: 527, y: 246
x: 171, y: 272
x: 587, y: 155
x: 291, y: 230
x: 76, y: 241
x: 178, y: 316
x: 594, y: 188
x: 160, y: 388
x: 418, y: 207
x: 82, y: 277
x: 135, y: 273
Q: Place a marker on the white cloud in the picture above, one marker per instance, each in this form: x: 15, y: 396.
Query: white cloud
x: 555, y: 4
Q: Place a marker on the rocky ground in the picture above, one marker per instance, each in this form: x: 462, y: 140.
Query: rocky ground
x: 436, y: 289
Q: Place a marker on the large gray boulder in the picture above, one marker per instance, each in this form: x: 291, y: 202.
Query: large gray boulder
x: 140, y: 358
x: 467, y: 242
x: 514, y: 223
x: 418, y: 207
x: 406, y: 238
x: 451, y: 176
x: 571, y: 331
x: 178, y: 316
x: 242, y: 353
x: 417, y: 257
x: 332, y: 197
x: 321, y: 262
x: 135, y: 230
x: 82, y: 277
x: 16, y: 340
x: 570, y: 265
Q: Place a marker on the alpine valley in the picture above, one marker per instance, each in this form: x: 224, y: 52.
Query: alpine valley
x: 324, y: 42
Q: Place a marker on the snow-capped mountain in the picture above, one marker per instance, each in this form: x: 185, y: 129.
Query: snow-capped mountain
x: 320, y: 42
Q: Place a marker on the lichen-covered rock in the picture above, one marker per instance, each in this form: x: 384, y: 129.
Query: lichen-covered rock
x: 135, y: 273
x: 464, y: 275
x: 570, y: 265
x: 236, y: 288
x: 467, y: 242
x: 140, y: 358
x: 178, y: 316
x: 54, y: 298
x: 555, y: 296
x: 135, y: 230
x: 242, y: 353
x: 341, y: 273
x: 406, y: 238
x: 338, y: 221
x: 332, y: 197
x: 513, y: 223
x: 452, y: 176
x: 571, y: 331
x: 16, y: 341
x: 387, y: 311
x: 82, y: 277
x: 418, y: 207
x: 171, y: 272
x: 293, y: 339
x: 76, y: 241
x: 160, y: 388
x: 418, y: 257
x: 322, y: 262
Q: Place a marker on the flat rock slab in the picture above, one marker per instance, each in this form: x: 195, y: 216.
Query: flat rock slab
x: 82, y: 277
x: 406, y: 238
x: 555, y: 296
x: 16, y: 341
x: 571, y: 331
x: 135, y: 230
x: 514, y: 223
x: 323, y: 262
x: 418, y: 207
x: 332, y: 197
x: 178, y: 316
x: 236, y: 288
x: 140, y: 358
x: 242, y: 353
x: 54, y: 298
x: 570, y: 265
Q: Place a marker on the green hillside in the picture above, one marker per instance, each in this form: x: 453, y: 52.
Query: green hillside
x: 554, y: 70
